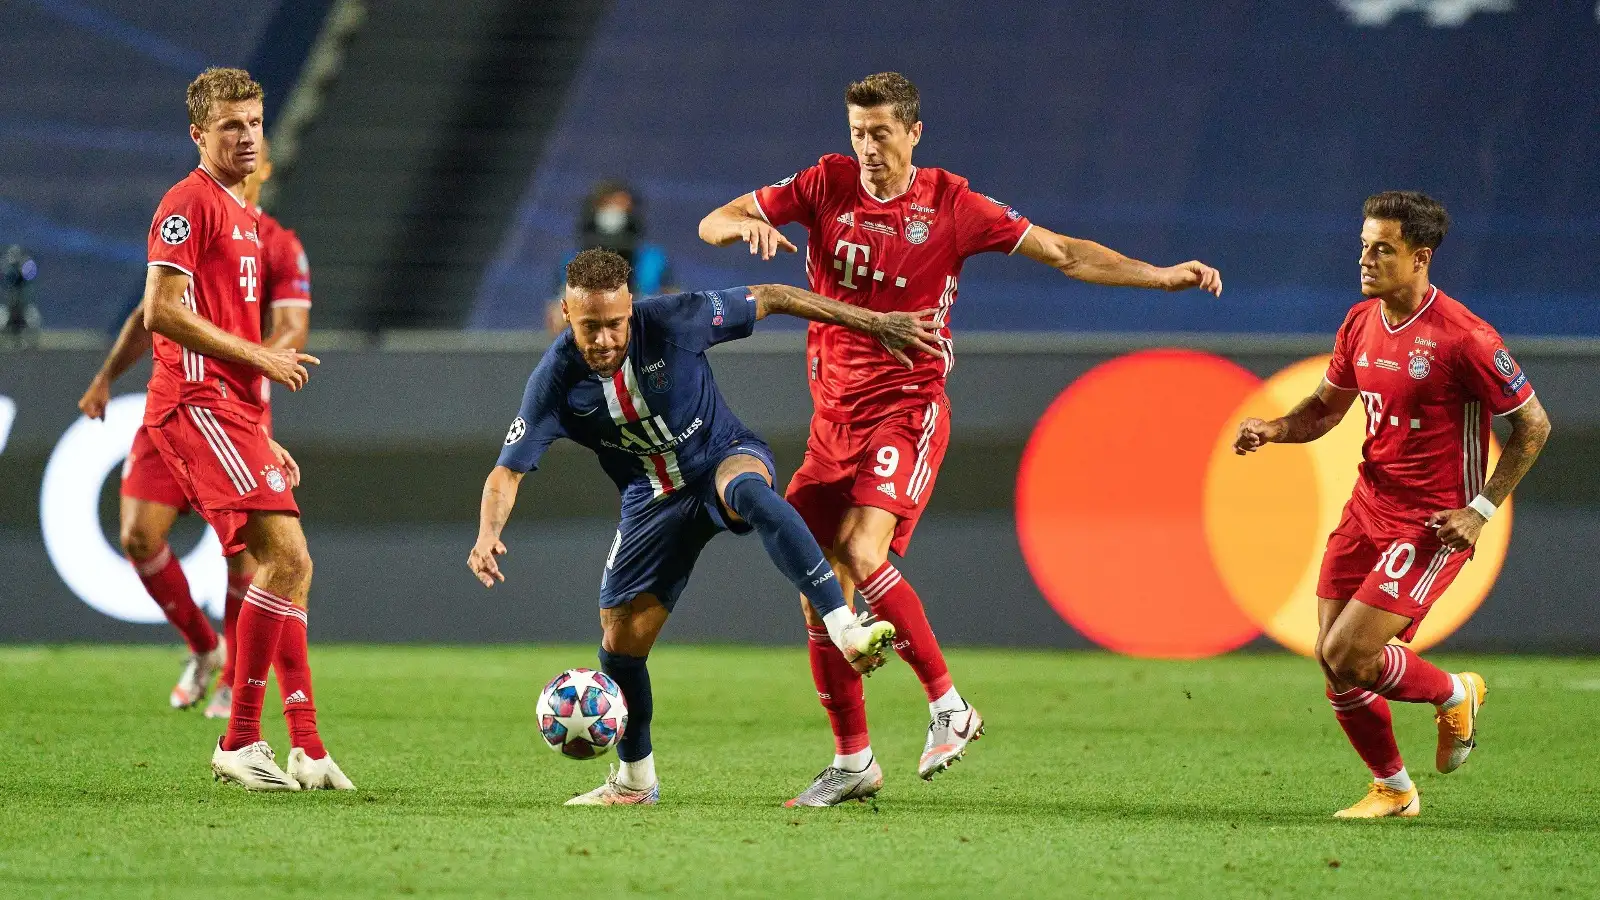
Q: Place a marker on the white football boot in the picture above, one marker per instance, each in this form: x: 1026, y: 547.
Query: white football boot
x: 195, y: 679
x: 317, y: 774
x: 833, y: 786
x: 251, y: 766
x: 864, y: 641
x: 612, y: 793
x: 221, y: 705
x: 948, y: 736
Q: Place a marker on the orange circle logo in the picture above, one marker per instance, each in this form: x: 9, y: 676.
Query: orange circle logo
x: 1146, y: 532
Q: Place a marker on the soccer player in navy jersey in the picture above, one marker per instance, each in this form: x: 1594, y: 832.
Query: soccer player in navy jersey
x: 631, y: 382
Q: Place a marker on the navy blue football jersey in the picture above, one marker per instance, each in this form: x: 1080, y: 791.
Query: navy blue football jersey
x: 657, y: 423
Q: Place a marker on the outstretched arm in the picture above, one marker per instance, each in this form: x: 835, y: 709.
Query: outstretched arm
x: 165, y: 314
x: 133, y: 341
x: 1530, y: 428
x: 499, y: 496
x: 1091, y: 262
x: 740, y: 220
x: 897, y: 331
x: 1312, y: 418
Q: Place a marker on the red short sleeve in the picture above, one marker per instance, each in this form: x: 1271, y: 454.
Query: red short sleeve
x: 288, y: 272
x: 1341, y: 369
x: 984, y: 224
x: 794, y: 199
x: 1488, y: 372
x: 181, y: 230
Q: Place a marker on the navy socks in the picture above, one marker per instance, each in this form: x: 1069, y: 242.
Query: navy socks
x: 790, y: 544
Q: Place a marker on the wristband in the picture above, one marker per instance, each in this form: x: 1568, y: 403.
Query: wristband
x: 1483, y: 507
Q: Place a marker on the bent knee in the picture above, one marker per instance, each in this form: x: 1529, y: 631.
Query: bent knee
x: 1350, y: 665
x: 860, y: 557
x: 142, y: 543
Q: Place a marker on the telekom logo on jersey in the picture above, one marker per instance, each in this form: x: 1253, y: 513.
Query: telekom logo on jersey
x: 247, y: 277
x: 851, y: 262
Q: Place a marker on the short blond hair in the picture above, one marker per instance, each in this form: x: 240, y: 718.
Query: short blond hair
x: 218, y: 85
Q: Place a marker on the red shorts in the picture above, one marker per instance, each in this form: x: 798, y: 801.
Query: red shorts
x: 225, y: 468
x: 145, y: 475
x: 1399, y: 568
x: 889, y: 464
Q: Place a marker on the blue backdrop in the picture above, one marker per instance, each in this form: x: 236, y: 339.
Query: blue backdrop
x: 1242, y: 133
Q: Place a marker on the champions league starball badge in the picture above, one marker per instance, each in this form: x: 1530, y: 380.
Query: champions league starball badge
x: 518, y: 428
x: 174, y: 229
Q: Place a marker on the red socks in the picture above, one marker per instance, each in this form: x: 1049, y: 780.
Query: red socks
x: 839, y: 689
x: 163, y: 577
x: 893, y: 601
x: 237, y: 585
x: 1365, y: 718
x: 294, y: 681
x: 1409, y: 678
x: 261, y: 619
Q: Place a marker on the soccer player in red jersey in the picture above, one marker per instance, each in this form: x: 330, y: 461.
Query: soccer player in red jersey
x: 887, y: 235
x: 151, y: 500
x: 203, y: 415
x: 1430, y: 375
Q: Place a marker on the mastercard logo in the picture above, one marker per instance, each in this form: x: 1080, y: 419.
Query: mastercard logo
x: 1148, y: 534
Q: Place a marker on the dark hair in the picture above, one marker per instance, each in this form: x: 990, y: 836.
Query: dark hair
x: 890, y: 88
x: 1423, y: 221
x: 598, y: 270
x: 218, y: 85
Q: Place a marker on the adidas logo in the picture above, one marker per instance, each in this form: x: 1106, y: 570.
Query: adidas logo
x: 847, y: 219
x: 236, y: 235
x: 1363, y: 360
x: 297, y: 697
x: 888, y: 490
x: 1392, y: 589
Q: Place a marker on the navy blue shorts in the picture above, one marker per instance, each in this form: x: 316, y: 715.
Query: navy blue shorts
x: 657, y: 543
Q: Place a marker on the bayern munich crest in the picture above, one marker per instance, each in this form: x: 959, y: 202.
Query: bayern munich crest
x: 916, y: 231
x: 517, y: 430
x: 1419, y: 367
x: 275, y: 479
x: 174, y: 229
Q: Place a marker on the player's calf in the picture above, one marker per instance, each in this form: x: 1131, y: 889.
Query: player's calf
x: 798, y: 556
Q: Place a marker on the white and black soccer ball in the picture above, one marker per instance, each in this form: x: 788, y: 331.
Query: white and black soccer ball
x: 582, y: 714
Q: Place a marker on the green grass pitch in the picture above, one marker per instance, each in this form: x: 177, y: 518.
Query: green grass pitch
x: 1099, y: 776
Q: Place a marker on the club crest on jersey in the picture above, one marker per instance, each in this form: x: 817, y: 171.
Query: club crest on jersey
x: 1419, y: 365
x: 174, y: 229
x: 1504, y: 364
x: 657, y: 382
x: 916, y: 231
x: 517, y: 430
x: 275, y: 479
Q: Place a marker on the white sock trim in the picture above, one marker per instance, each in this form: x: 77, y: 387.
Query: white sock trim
x: 853, y: 762
x: 1458, y: 693
x: 949, y: 701
x: 1400, y: 781
x: 836, y: 622
x: 639, y: 775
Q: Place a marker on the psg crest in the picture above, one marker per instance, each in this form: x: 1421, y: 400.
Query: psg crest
x: 916, y: 231
x: 174, y: 229
x: 658, y: 382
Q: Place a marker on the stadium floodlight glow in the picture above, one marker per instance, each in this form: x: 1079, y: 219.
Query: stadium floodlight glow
x: 8, y: 414
x: 69, y: 520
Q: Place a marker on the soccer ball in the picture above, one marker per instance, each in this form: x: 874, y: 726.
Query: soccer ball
x: 582, y: 713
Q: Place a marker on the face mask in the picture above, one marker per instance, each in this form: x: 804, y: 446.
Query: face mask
x: 610, y: 220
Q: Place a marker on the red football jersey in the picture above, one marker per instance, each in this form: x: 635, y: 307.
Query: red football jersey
x: 285, y: 277
x: 210, y: 235
x: 902, y: 254
x: 1430, y: 386
x: 286, y: 273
